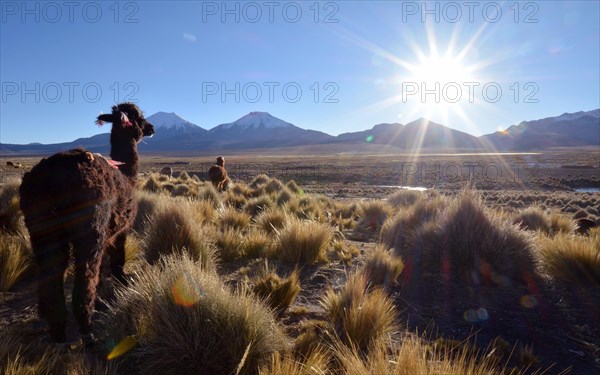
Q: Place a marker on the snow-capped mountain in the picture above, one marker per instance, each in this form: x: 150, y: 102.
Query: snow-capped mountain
x: 577, y: 115
x: 171, y: 121
x: 254, y: 120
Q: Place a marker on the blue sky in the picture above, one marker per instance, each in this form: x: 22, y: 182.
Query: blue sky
x: 335, y: 66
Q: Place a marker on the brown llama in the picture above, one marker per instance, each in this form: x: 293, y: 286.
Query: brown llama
x: 217, y: 174
x: 79, y: 199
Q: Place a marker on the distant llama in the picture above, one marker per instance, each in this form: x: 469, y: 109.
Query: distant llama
x: 82, y: 199
x: 217, y: 174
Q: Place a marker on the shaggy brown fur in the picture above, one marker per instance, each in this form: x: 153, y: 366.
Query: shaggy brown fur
x: 217, y: 174
x: 78, y: 199
x: 584, y: 225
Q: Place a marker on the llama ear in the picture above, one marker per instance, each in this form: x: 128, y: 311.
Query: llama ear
x: 104, y: 118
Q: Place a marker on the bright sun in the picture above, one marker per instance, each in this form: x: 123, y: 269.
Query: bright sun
x: 440, y: 69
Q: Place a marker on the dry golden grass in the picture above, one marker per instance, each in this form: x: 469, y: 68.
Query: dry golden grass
x: 533, y: 218
x: 278, y: 292
x: 229, y: 243
x: 255, y: 206
x: 303, y: 241
x: 561, y: 224
x: 15, y: 259
x: 294, y: 188
x: 257, y: 244
x: 271, y: 220
x: 11, y: 218
x: 172, y: 229
x: 571, y: 258
x: 231, y: 218
x: 404, y: 198
x: 360, y: 317
x: 382, y: 267
x: 182, y: 319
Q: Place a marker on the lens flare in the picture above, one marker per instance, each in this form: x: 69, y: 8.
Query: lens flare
x: 369, y: 139
x: 186, y: 292
x: 528, y: 301
x: 123, y: 347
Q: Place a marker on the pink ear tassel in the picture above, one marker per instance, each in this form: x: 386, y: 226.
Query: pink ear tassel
x: 99, y: 122
x: 125, y: 120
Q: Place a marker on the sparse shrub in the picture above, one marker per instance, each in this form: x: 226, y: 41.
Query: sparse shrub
x: 294, y: 188
x: 231, y: 218
x: 256, y: 205
x: 15, y: 259
x: 359, y: 316
x: 571, y: 258
x: 533, y: 219
x: 278, y: 292
x: 172, y: 229
x: 184, y: 320
x: 404, y: 198
x: 382, y: 267
x: 304, y: 241
x: 184, y: 177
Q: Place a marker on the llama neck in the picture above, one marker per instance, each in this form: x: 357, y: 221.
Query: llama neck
x: 125, y: 151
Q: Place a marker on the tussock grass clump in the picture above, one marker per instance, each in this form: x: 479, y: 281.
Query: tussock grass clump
x: 413, y: 357
x: 304, y: 241
x: 153, y: 184
x: 284, y: 196
x: 294, y: 188
x: 373, y: 215
x: 184, y: 320
x: 561, y: 224
x: 316, y: 363
x: 210, y: 194
x: 345, y: 252
x: 234, y: 200
x: 404, y: 198
x: 271, y: 220
x: 172, y: 229
x: 241, y: 189
x: 15, y: 259
x: 257, y: 205
x: 231, y: 218
x: 361, y: 318
x: 259, y: 181
x: 278, y: 292
x: 397, y: 229
x: 229, y: 244
x: 274, y: 186
x: 533, y: 218
x: 382, y: 267
x: 476, y: 239
x: 147, y: 203
x: 11, y: 218
x: 257, y: 244
x: 570, y: 258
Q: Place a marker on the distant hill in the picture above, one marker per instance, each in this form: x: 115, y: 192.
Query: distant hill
x: 566, y: 130
x: 262, y: 131
x: 420, y: 133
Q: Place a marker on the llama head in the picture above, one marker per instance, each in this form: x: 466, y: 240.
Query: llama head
x: 221, y: 161
x: 128, y: 121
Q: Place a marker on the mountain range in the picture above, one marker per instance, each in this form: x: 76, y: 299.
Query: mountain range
x: 262, y: 131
